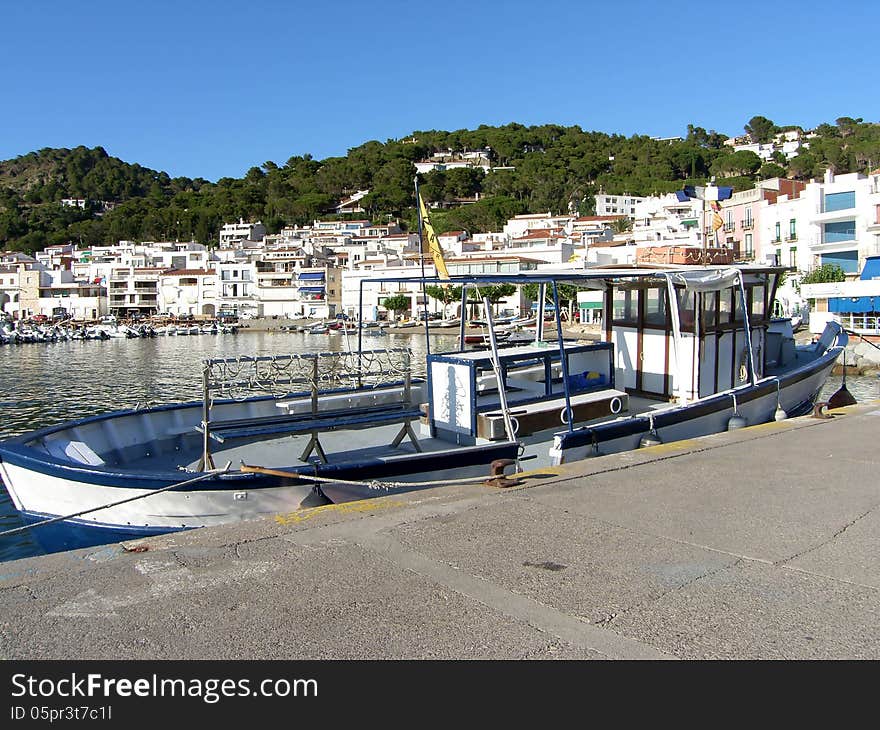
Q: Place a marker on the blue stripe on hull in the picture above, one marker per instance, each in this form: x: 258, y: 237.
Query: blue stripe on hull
x: 72, y: 535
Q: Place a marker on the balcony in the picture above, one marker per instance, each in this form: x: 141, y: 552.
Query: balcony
x: 791, y: 237
x: 273, y: 283
x: 747, y: 225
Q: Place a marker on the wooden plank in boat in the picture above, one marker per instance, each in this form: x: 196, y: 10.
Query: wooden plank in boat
x: 363, y: 418
x: 533, y: 417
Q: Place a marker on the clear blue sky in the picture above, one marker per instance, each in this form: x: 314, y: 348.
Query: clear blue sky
x: 210, y: 89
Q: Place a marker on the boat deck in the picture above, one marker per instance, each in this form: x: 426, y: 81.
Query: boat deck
x: 346, y: 446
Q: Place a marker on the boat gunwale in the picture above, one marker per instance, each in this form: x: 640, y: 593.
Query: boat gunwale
x: 360, y: 470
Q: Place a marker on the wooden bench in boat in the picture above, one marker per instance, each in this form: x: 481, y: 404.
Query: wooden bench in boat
x: 540, y: 415
x: 315, y: 423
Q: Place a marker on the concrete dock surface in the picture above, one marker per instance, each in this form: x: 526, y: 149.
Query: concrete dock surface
x: 760, y: 543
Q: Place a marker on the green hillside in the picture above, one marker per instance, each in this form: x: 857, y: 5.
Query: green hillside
x: 543, y: 168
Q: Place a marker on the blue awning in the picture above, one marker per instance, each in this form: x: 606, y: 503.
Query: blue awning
x: 311, y: 275
x: 312, y: 289
x: 696, y: 191
x: 872, y: 268
x: 856, y: 305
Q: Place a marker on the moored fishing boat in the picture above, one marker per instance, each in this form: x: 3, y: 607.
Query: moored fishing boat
x: 685, y: 351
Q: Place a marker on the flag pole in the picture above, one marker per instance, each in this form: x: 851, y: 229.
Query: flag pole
x: 422, y: 261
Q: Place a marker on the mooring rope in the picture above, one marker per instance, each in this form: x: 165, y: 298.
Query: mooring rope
x: 863, y: 339
x: 205, y: 475
x: 373, y: 484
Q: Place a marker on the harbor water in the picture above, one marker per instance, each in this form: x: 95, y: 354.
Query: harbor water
x: 46, y: 384
x: 43, y: 384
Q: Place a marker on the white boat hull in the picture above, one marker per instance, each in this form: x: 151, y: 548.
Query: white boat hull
x: 40, y: 494
x: 708, y: 416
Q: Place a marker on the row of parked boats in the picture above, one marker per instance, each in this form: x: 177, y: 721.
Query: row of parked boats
x: 25, y: 332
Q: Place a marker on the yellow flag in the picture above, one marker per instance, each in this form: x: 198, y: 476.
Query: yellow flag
x: 433, y: 245
x: 717, y: 222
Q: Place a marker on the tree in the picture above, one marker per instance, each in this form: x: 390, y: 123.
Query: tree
x: 804, y: 166
x: 760, y: 129
x: 824, y: 274
x: 493, y: 292
x: 847, y: 125
x: 622, y: 225
x: 397, y: 303
x: 567, y: 294
x: 771, y: 169
x: 744, y: 162
x: 697, y: 135
x: 445, y: 294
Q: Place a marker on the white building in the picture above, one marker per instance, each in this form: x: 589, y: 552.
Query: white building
x: 72, y: 300
x: 189, y: 291
x: 238, y: 292
x: 519, y: 225
x: 133, y: 291
x: 607, y: 205
x: 232, y: 234
x: 665, y: 218
x: 374, y: 293
x: 843, y: 219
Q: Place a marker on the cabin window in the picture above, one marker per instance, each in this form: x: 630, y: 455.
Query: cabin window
x: 759, y: 306
x: 655, y: 306
x: 738, y: 306
x: 625, y: 306
x: 725, y: 306
x: 709, y: 311
x: 686, y: 308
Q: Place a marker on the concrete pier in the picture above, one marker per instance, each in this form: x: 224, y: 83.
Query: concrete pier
x: 759, y: 543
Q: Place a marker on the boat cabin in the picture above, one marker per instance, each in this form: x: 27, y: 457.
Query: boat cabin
x: 670, y: 334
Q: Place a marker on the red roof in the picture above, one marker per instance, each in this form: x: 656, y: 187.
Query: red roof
x: 540, y: 233
x: 186, y: 272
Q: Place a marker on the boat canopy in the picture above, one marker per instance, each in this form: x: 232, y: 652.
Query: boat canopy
x: 706, y: 281
x: 597, y: 277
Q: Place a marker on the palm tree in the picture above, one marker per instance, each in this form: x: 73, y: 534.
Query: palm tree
x: 622, y: 225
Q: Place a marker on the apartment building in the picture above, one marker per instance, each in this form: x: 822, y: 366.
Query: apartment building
x: 607, y: 205
x: 133, y: 291
x: 744, y: 230
x: 189, y: 292
x: 843, y: 220
x: 233, y: 235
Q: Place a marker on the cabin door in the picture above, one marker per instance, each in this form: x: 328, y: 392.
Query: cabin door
x: 652, y: 363
x: 640, y: 331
